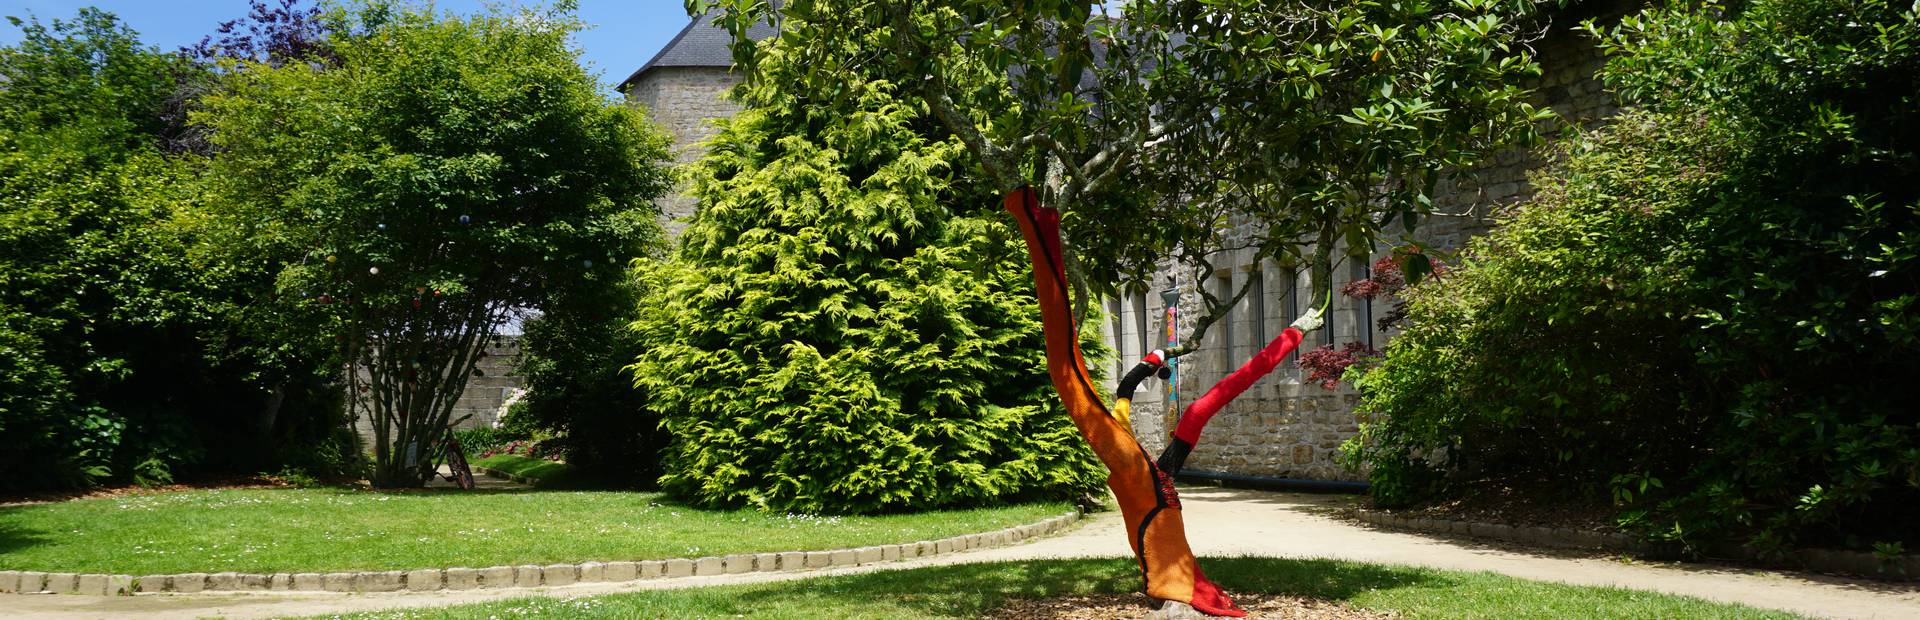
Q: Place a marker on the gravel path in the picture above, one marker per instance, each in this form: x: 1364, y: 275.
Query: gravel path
x: 1221, y: 522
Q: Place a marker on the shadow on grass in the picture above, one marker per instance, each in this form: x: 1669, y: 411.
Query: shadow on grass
x: 979, y: 590
x: 15, y: 538
x: 969, y: 590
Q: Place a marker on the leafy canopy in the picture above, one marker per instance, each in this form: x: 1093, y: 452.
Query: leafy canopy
x: 1185, y: 128
x: 447, y: 173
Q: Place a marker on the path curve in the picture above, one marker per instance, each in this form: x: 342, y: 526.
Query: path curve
x: 1222, y: 522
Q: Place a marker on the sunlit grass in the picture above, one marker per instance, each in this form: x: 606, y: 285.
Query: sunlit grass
x: 317, y: 530
x: 974, y: 590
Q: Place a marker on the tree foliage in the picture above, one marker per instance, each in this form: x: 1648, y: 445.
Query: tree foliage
x: 125, y: 362
x: 834, y: 336
x: 1706, y: 314
x: 573, y: 358
x: 1186, y: 128
x: 445, y: 174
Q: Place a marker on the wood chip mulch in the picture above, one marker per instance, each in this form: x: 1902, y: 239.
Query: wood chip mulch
x: 1134, y: 606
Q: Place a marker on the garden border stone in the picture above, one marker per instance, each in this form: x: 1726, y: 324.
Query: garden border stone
x: 425, y: 579
x: 460, y: 579
x: 621, y: 571
x: 522, y: 576
x: 496, y: 577
x: 32, y: 582
x: 63, y: 583
x: 1855, y: 563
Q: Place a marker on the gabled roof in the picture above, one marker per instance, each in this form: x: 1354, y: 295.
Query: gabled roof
x: 700, y: 44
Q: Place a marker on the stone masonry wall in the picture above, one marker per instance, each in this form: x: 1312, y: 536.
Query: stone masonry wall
x: 1282, y: 427
x: 685, y: 101
x: 485, y: 392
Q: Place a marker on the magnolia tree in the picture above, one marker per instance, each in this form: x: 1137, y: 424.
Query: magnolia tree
x: 1161, y: 126
x: 427, y: 180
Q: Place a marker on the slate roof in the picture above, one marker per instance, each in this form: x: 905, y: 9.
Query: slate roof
x: 700, y: 44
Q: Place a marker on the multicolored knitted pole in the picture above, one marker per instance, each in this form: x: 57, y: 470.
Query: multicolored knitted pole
x: 1146, y: 496
x: 1186, y: 435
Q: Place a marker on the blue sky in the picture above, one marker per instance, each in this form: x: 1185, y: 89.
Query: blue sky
x: 624, y: 33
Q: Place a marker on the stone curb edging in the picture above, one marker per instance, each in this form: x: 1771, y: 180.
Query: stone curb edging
x: 1906, y: 568
x: 429, y: 579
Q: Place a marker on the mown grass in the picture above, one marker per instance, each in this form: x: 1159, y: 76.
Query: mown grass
x: 332, y: 529
x: 544, y: 473
x: 975, y: 590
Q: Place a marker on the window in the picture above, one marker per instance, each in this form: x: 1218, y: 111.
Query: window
x: 1224, y: 284
x: 1327, y: 321
x: 1117, y: 337
x: 1141, y: 344
x: 1257, y: 310
x: 1362, y: 308
x: 1291, y: 313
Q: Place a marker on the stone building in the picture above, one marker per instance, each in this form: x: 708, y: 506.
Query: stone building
x: 683, y: 89
x: 1281, y: 427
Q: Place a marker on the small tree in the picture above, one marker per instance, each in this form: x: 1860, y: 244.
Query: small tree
x: 443, y: 175
x: 834, y: 337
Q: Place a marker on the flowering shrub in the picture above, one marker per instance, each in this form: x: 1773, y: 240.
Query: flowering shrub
x: 526, y: 447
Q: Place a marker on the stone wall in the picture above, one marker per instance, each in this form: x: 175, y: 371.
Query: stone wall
x: 1282, y: 427
x: 685, y: 101
x: 489, y: 390
x: 485, y: 392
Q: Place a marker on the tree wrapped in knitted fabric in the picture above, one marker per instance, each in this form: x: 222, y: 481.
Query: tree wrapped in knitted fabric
x: 1148, y: 502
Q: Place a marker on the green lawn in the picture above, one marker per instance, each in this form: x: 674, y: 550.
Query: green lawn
x: 975, y: 590
x: 546, y: 474
x: 317, y: 530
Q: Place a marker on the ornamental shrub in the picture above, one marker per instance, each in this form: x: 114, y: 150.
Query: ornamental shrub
x: 573, y: 358
x: 832, y: 337
x: 1706, y: 314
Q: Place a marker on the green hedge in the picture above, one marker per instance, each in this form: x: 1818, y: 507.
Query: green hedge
x: 1706, y: 314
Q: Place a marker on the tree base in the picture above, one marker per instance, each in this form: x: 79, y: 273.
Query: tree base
x: 1176, y: 610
